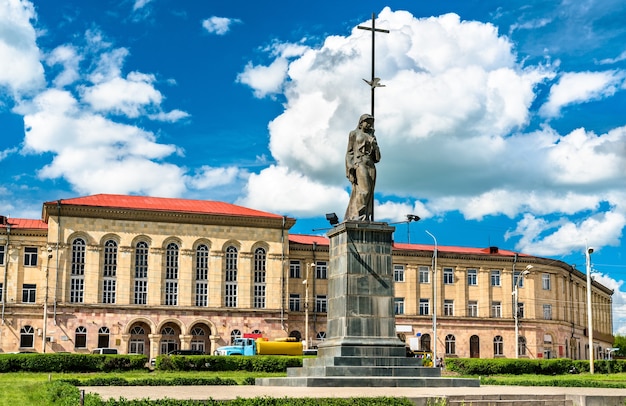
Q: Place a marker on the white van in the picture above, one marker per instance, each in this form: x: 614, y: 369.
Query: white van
x: 104, y: 351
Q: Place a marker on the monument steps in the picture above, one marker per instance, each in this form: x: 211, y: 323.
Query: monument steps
x: 348, y: 371
x: 509, y: 400
x: 368, y: 382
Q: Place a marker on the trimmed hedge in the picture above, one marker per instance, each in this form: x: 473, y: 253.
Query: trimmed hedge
x: 257, y: 363
x: 55, y: 362
x: 179, y: 381
x: 505, y: 366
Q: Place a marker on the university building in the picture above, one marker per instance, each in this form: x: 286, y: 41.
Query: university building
x: 150, y: 275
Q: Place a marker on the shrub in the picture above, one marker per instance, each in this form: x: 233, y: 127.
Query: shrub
x: 259, y: 363
x: 56, y: 362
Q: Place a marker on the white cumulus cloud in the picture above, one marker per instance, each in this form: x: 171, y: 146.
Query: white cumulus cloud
x: 219, y: 25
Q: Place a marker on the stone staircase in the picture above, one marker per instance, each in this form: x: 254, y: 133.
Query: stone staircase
x: 509, y: 400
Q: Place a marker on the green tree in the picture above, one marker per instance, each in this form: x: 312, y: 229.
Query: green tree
x: 619, y: 342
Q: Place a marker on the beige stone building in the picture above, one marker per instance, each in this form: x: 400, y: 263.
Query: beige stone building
x: 151, y: 275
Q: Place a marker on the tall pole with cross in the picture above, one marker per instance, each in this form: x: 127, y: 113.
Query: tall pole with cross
x: 375, y: 82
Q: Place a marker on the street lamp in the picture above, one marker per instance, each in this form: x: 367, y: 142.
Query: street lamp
x: 409, y: 218
x: 434, y: 300
x: 306, y: 305
x: 525, y: 272
x: 588, y: 253
x: 45, y: 303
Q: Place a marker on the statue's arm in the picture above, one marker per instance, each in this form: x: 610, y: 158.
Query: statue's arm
x: 350, y: 156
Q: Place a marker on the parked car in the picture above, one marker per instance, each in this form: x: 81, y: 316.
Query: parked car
x: 104, y: 351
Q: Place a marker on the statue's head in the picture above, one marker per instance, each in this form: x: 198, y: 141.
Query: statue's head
x: 366, y: 117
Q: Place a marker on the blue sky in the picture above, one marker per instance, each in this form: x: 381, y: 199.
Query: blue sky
x: 500, y: 123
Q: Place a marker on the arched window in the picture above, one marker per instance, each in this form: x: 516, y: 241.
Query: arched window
x: 198, y: 340
x: 109, y: 272
x: 321, y: 335
x: 171, y: 274
x: 103, y: 337
x: 202, y: 275
x: 27, y: 337
x: 235, y: 334
x: 230, y: 287
x: 450, y: 344
x: 296, y: 334
x: 141, y: 273
x: 521, y: 342
x: 169, y: 340
x: 80, y: 337
x: 138, y: 340
x: 259, y: 278
x: 498, y: 346
x: 425, y: 342
x: 77, y: 277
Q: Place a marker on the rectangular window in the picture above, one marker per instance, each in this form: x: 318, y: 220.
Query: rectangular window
x: 424, y: 307
x: 2, y: 254
x: 520, y: 310
x: 448, y: 307
x: 202, y: 293
x: 28, y: 293
x: 295, y: 269
x: 496, y: 309
x: 108, y: 290
x: 230, y: 296
x: 1, y: 293
x: 171, y: 293
x: 321, y: 270
x: 495, y: 277
x: 77, y: 289
x: 424, y: 274
x: 545, y: 281
x: 398, y: 273
x: 398, y: 305
x: 472, y: 308
x: 294, y: 302
x: 141, y: 292
x: 547, y: 312
x: 30, y: 256
x: 518, y: 279
x: 448, y: 276
x: 321, y: 304
x: 472, y: 277
x: 259, y: 296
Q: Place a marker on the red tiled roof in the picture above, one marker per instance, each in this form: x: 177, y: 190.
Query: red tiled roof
x: 26, y: 224
x: 164, y: 204
x: 321, y: 240
x: 308, y: 239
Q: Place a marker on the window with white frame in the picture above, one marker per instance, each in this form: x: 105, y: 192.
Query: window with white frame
x: 77, y: 272
x: 450, y: 344
x: 171, y: 274
x: 518, y: 279
x: 27, y: 337
x: 498, y: 346
x: 141, y: 273
x: 398, y: 273
x: 496, y: 309
x: 103, y: 337
x: 80, y: 337
x: 321, y: 270
x: 230, y: 288
x: 546, y: 281
x: 259, y: 278
x: 109, y: 272
x: 424, y: 309
x: 547, y: 312
x: 202, y: 275
x: 294, y: 302
x: 521, y: 348
x: 29, y: 293
x: 495, y: 277
x: 472, y: 277
x: 398, y: 305
x: 520, y: 310
x: 2, y: 248
x: 448, y: 276
x: 424, y: 274
x: 321, y: 304
x: 448, y: 307
x: 235, y: 334
x: 321, y: 335
x: 30, y: 256
x: 472, y: 308
x: 295, y: 269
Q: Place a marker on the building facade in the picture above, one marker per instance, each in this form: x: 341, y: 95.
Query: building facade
x: 151, y: 275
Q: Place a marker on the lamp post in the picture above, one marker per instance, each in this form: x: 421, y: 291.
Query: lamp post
x: 306, y: 305
x: 45, y: 303
x: 588, y: 253
x: 525, y: 272
x: 409, y: 218
x: 434, y: 299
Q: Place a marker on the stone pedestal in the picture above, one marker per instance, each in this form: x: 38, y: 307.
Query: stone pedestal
x: 361, y: 347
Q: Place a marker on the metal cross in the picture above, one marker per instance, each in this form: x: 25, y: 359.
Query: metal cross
x: 375, y: 82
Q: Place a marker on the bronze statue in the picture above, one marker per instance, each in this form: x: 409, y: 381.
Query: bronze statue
x: 361, y: 157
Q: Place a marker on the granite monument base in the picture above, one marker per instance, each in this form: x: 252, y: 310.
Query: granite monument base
x: 362, y: 349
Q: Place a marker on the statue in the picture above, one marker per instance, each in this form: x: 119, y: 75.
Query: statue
x: 361, y: 157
